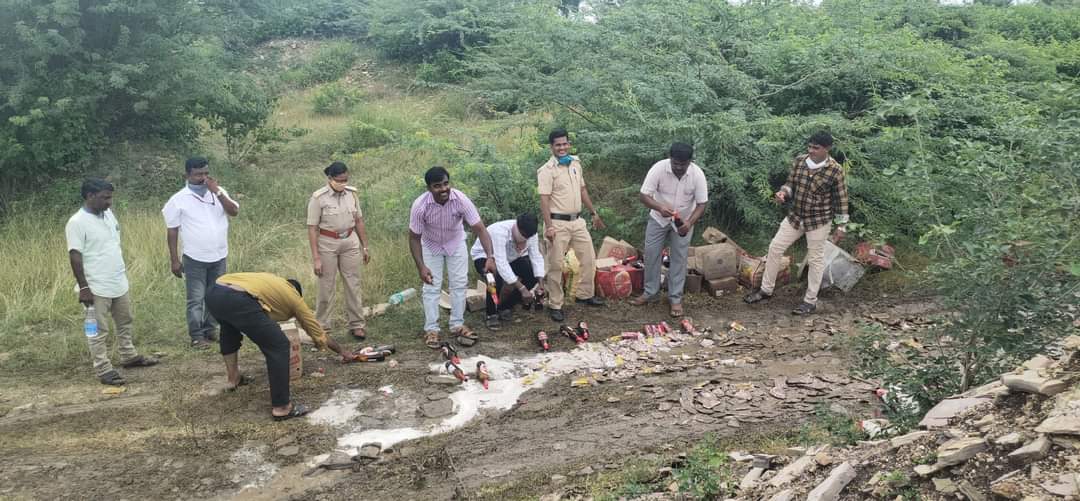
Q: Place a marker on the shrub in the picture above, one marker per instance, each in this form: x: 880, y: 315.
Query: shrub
x: 335, y: 98
x: 363, y: 135
x: 329, y: 63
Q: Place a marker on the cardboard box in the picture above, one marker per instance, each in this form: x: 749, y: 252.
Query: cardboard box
x: 617, y: 249
x: 752, y: 269
x: 693, y: 283
x: 296, y: 361
x: 290, y: 325
x: 475, y: 299
x: 717, y: 261
x: 714, y: 236
x: 606, y: 262
x: 721, y: 286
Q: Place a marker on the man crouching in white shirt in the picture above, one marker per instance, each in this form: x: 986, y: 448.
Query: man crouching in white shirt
x: 198, y: 216
x: 519, y: 263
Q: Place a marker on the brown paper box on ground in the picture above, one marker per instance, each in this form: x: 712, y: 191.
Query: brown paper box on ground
x: 617, y: 249
x: 291, y: 324
x: 296, y: 362
x: 721, y: 286
x: 693, y: 283
x: 714, y: 236
x: 717, y: 261
x: 693, y: 263
x: 605, y: 263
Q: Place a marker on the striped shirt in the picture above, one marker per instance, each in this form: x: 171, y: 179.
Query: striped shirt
x: 819, y: 194
x: 439, y: 225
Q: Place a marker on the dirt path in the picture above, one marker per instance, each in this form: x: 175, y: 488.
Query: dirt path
x: 176, y: 436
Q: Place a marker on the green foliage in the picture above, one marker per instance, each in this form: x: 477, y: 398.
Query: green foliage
x: 421, y: 29
x: 362, y: 135
x: 335, y: 98
x: 329, y: 63
x: 839, y: 429
x: 707, y: 473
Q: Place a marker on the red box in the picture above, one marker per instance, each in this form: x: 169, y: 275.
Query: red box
x: 619, y: 281
x: 878, y: 256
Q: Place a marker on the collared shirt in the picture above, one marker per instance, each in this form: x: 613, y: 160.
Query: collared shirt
x: 563, y: 183
x: 97, y: 238
x: 439, y: 225
x: 203, y: 223
x: 333, y: 211
x: 505, y: 250
x: 819, y: 194
x: 682, y: 194
x: 279, y: 300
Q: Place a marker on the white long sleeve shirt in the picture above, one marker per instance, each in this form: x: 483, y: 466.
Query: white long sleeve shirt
x: 505, y: 251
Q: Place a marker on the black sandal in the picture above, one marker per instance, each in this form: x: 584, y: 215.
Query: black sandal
x: 112, y: 378
x: 297, y: 410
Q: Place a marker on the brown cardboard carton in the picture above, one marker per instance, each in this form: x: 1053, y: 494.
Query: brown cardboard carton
x: 617, y: 249
x: 693, y: 283
x: 717, y: 261
x: 296, y: 362
x: 721, y: 286
x: 605, y: 263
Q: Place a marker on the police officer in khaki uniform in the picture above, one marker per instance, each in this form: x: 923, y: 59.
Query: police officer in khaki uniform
x: 562, y: 192
x: 338, y: 245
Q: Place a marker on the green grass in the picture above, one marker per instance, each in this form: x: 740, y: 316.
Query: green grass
x: 40, y: 319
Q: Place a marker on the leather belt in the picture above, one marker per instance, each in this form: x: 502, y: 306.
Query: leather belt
x: 564, y: 217
x: 334, y: 234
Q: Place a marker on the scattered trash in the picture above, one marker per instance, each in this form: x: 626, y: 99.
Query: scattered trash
x: 579, y: 382
x: 571, y: 333
x: 841, y: 270
x: 482, y: 373
x: 449, y: 353
x: 114, y: 390
x: 583, y: 330
x: 392, y: 364
x: 736, y: 327
x: 402, y: 296
x: 876, y: 256
x: 542, y: 340
x: 387, y: 390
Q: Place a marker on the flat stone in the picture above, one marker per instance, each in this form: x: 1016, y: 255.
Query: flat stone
x: 283, y: 441
x: 1060, y: 425
x: 823, y: 459
x: 751, y: 479
x: 784, y: 495
x: 438, y: 395
x: 1066, y: 442
x: 1007, y: 489
x: 1034, y: 451
x: 971, y: 492
x: 588, y: 470
x: 792, y: 471
x: 370, y: 451
x: 337, y: 460
x: 939, y: 416
x: 945, y: 486
x: 437, y: 409
x: 925, y: 470
x: 558, y: 479
x: 1067, y: 484
x: 559, y: 446
x: 289, y: 450
x: 1032, y: 382
x: 910, y: 438
x: 447, y: 380
x: 1038, y: 362
x: 664, y: 406
x: 830, y: 489
x: 1011, y: 440
x: 732, y: 422
x: 959, y: 450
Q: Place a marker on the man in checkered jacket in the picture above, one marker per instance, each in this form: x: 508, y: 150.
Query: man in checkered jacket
x: 817, y: 187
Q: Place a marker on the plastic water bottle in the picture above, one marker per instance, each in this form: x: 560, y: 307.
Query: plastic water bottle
x: 402, y: 296
x: 90, y: 324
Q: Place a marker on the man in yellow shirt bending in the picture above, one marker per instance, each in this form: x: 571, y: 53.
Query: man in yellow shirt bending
x: 253, y: 304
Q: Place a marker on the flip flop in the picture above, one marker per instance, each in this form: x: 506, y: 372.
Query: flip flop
x: 244, y: 381
x: 465, y: 336
x: 296, y: 411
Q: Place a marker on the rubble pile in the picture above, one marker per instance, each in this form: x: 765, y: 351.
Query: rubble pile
x: 1015, y: 438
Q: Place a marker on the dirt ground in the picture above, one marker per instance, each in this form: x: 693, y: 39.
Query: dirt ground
x: 173, y: 434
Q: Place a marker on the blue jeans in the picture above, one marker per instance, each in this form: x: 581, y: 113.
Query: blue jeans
x: 199, y: 277
x: 456, y: 266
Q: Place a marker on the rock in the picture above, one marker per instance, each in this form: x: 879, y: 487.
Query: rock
x: 784, y: 495
x: 751, y: 479
x: 1067, y: 484
x: 370, y: 451
x: 925, y: 470
x: 290, y: 450
x: 823, y: 459
x: 939, y: 416
x: 1034, y: 451
x: 959, y: 450
x: 792, y: 471
x: 338, y: 460
x: 910, y: 438
x: 830, y: 489
x: 1038, y: 362
x: 1066, y: 442
x: 441, y: 380
x: 707, y: 343
x: 1060, y: 425
x: 557, y: 479
x: 1011, y: 440
x: 554, y: 496
x: 740, y: 456
x: 985, y: 421
x: 559, y: 446
x: 1032, y: 382
x: 586, y: 471
x: 665, y: 406
x: 437, y: 409
x: 1007, y: 489
x: 945, y: 486
x: 971, y: 492
x: 437, y: 395
x: 732, y: 422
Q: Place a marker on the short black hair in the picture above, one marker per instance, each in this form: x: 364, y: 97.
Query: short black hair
x: 435, y: 174
x: 95, y: 185
x: 335, y: 169
x: 296, y: 285
x: 195, y: 163
x: 821, y: 138
x: 527, y: 224
x: 681, y: 151
x: 556, y: 134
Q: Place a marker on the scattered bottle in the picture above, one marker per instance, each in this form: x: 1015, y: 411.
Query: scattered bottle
x: 688, y: 326
x: 583, y: 330
x: 542, y: 340
x: 571, y: 333
x: 631, y: 335
x: 678, y: 220
x: 90, y: 327
x: 368, y: 354
x: 482, y: 373
x: 665, y: 328
x: 449, y: 353
x: 492, y: 290
x: 453, y: 368
x: 402, y: 296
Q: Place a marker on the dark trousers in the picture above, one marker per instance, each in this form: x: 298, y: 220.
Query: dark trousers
x: 240, y: 313
x: 522, y: 268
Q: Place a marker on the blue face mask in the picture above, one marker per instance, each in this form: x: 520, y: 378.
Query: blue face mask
x: 199, y: 189
x: 565, y: 160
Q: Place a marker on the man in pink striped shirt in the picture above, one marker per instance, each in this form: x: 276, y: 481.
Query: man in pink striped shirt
x: 437, y: 243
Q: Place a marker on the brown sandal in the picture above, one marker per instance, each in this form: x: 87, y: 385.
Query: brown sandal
x: 465, y: 336
x: 676, y: 310
x: 431, y: 339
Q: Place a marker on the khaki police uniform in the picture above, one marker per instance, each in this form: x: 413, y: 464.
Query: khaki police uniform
x: 335, y: 214
x: 563, y: 183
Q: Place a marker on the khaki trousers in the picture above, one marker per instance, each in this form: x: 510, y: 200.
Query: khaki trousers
x: 815, y: 257
x: 119, y: 309
x: 346, y: 258
x: 569, y: 235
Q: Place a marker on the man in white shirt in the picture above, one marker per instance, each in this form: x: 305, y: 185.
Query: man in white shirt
x: 676, y: 191
x: 93, y: 240
x: 198, y: 216
x: 519, y: 265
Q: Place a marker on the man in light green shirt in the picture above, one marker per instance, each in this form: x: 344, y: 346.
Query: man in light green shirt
x: 93, y: 240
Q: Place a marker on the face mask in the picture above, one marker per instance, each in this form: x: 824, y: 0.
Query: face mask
x: 810, y: 163
x: 565, y: 160
x: 199, y: 189
x: 336, y: 186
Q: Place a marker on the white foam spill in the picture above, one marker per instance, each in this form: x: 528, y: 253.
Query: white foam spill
x: 342, y: 407
x: 250, y: 469
x: 509, y: 380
